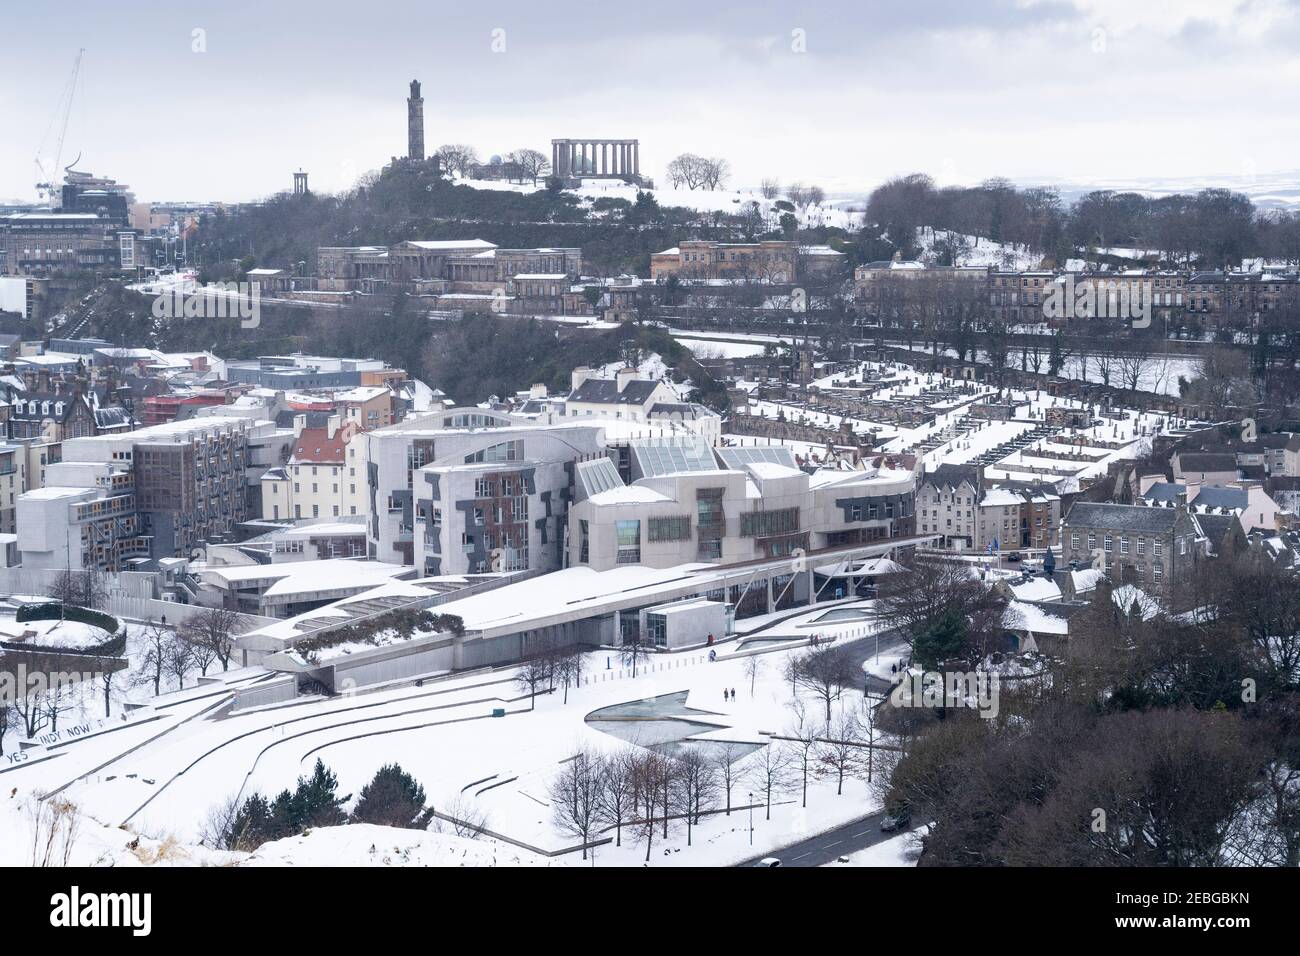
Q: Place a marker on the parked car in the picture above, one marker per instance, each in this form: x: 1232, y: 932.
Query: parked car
x: 1014, y: 556
x: 768, y: 861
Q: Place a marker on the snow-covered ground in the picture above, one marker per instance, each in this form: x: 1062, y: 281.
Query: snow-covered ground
x: 161, y: 771
x: 901, y: 850
x: 845, y: 214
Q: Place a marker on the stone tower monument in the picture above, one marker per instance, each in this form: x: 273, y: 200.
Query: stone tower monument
x: 415, y: 123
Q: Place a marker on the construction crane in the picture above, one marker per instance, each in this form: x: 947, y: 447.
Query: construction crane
x: 45, y: 187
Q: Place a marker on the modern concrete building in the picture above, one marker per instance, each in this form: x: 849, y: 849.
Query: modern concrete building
x: 690, y: 502
x: 469, y: 490
x: 128, y: 500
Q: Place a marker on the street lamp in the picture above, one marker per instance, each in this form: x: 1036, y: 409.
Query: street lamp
x: 751, y: 819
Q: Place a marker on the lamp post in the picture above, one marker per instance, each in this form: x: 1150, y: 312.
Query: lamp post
x: 751, y: 819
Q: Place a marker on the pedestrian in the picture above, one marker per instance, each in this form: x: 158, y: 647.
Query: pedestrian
x: 724, y: 695
x: 733, y: 695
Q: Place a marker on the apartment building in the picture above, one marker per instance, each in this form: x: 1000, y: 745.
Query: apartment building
x: 946, y: 505
x: 1014, y: 515
x: 121, y: 500
x: 320, y: 479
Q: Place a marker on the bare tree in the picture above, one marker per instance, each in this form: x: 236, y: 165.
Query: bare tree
x: 178, y: 658
x: 842, y: 752
x: 824, y: 672
x: 468, y: 819
x: 107, y: 678
x: 153, y: 662
x: 689, y: 170
x: 797, y: 193
x: 769, y: 773
x: 532, y: 674
x: 868, y: 731
x: 30, y: 711
x: 457, y: 158
x: 770, y: 188
x: 816, y: 195
x: 695, y: 783
x: 753, y: 664
x: 218, y: 826
x: 568, y: 669
x: 55, y: 702
x: 617, y: 797
x: 633, y: 648
x: 211, y: 635
x: 724, y: 761
x: 651, y: 776
x: 531, y: 162
x: 80, y: 588
x: 803, y: 743
x: 575, y: 795
x: 8, y: 716
x: 716, y: 171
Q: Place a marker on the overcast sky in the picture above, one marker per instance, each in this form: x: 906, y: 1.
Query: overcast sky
x: 963, y: 89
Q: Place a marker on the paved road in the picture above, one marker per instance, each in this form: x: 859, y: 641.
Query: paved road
x: 863, y: 649
x: 827, y: 847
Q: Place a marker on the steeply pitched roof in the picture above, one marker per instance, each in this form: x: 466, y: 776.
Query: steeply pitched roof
x: 314, y: 445
x: 1207, y: 461
x: 604, y: 391
x: 951, y: 476
x: 1165, y: 491
x: 1216, y: 496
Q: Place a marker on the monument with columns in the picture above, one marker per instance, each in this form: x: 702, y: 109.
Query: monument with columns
x: 574, y: 159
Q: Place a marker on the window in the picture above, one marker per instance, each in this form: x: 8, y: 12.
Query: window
x: 583, y: 543
x: 676, y: 528
x: 1108, y: 543
x: 656, y: 629
x: 711, y: 522
x: 1142, y: 546
x: 504, y: 451
x: 627, y: 536
x: 1123, y: 544
x: 762, y: 524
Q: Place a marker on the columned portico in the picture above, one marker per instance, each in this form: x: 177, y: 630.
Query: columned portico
x: 596, y: 158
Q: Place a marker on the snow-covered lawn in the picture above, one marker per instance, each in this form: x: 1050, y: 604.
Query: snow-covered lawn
x: 164, y: 769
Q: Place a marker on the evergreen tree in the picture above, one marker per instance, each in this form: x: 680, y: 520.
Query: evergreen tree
x: 393, y: 799
x: 249, y: 829
x: 316, y: 802
x: 1055, y: 357
x: 283, y: 821
x: 942, y: 641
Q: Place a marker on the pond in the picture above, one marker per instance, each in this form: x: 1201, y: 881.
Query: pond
x: 665, y: 724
